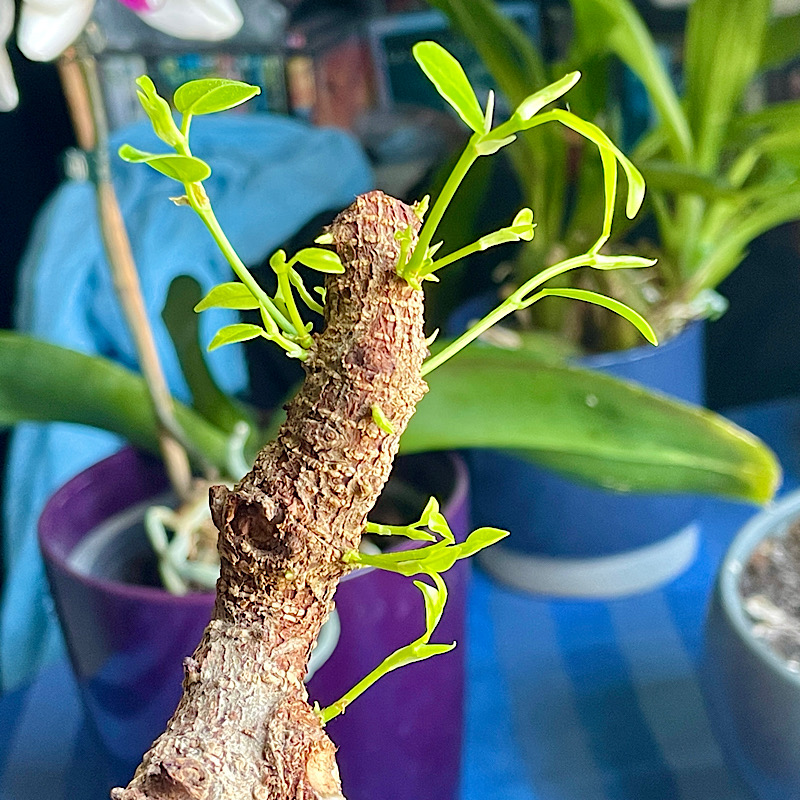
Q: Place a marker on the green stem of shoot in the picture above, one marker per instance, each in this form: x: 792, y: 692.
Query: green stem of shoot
x: 274, y: 320
x: 285, y: 287
x: 186, y: 122
x: 199, y: 202
x: 334, y: 709
x: 434, y: 216
x: 514, y: 302
x: 445, y: 261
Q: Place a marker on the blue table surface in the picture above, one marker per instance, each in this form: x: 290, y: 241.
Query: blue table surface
x: 567, y: 700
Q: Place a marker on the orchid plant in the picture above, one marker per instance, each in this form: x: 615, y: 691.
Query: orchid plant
x: 718, y: 174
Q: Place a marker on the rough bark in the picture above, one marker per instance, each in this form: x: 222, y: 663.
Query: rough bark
x: 244, y: 728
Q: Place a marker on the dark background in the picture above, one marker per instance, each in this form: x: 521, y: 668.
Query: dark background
x: 32, y: 137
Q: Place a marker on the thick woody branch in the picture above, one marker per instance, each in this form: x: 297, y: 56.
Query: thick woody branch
x: 243, y: 728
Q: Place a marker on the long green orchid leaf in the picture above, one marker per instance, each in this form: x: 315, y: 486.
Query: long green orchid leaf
x: 615, y: 26
x: 183, y: 327
x: 770, y: 118
x: 589, y: 426
x: 728, y: 253
x: 582, y: 423
x: 47, y: 383
x: 724, y: 41
x: 782, y: 42
x: 666, y: 176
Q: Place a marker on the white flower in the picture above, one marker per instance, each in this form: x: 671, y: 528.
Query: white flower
x: 9, y: 96
x: 47, y: 27
x: 206, y: 20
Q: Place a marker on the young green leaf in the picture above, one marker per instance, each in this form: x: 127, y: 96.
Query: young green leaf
x: 503, y: 236
x: 159, y: 112
x: 296, y: 281
x: 636, y: 187
x: 239, y: 332
x: 431, y: 508
x: 520, y: 229
x: 420, y: 208
x: 404, y: 562
x: 320, y: 260
x: 523, y: 224
x: 432, y: 559
x: 380, y: 419
x: 185, y: 169
x: 435, y: 598
x: 449, y: 79
x: 600, y: 261
x: 278, y: 261
x: 438, y: 558
x: 636, y: 319
x: 209, y: 95
x: 438, y: 524
x: 489, y: 145
x: 228, y: 295
x: 533, y: 104
x: 479, y: 539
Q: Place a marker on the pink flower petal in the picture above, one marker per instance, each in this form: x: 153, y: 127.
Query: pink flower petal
x: 142, y: 5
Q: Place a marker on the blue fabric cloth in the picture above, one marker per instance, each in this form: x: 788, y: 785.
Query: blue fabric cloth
x: 270, y: 176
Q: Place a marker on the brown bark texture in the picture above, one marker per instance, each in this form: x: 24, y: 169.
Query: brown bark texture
x: 244, y: 728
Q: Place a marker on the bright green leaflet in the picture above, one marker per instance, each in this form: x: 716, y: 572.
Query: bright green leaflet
x: 281, y: 318
x: 419, y: 264
x: 430, y: 560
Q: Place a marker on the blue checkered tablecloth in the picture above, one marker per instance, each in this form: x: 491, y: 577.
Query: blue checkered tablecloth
x: 567, y: 700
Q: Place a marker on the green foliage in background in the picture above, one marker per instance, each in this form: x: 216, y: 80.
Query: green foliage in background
x: 718, y: 175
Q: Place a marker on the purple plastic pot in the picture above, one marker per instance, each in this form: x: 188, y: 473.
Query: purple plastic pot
x: 402, y: 741
x: 575, y: 540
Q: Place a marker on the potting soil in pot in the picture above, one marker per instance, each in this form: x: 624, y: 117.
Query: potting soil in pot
x: 770, y: 589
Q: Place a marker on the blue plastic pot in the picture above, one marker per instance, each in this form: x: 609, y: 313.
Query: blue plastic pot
x: 573, y: 540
